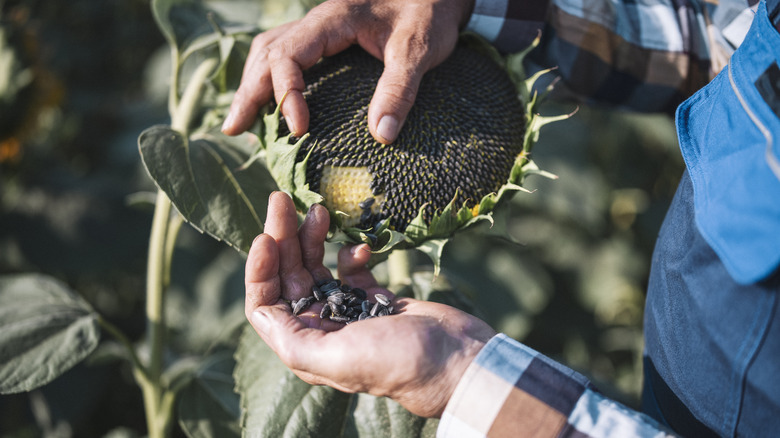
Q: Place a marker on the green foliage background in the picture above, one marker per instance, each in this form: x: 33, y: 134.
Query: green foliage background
x: 563, y: 269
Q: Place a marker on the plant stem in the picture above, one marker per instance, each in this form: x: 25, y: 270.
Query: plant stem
x: 155, y: 314
x: 190, y: 100
x: 158, y: 402
x: 173, y: 92
x: 115, y: 332
x: 173, y: 232
x: 399, y: 270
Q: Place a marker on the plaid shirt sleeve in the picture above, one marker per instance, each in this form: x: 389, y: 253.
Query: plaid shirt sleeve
x: 511, y: 390
x: 643, y: 54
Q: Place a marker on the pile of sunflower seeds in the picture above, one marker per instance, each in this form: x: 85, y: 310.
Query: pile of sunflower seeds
x: 343, y: 303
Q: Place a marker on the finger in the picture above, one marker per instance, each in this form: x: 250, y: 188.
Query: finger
x: 312, y: 238
x: 255, y: 89
x: 258, y: 51
x: 288, y: 84
x: 326, y: 30
x: 352, y: 267
x: 405, y: 63
x: 282, y: 224
x: 261, y: 277
x: 300, y: 348
x: 251, y: 95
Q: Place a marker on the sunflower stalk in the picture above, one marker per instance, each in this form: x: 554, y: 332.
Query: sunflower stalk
x: 158, y: 404
x: 399, y: 269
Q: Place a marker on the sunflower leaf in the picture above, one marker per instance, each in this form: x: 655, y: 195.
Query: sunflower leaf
x: 434, y: 249
x: 204, y: 179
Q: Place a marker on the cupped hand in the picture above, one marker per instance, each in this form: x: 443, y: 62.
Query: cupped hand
x: 415, y: 356
x: 411, y: 37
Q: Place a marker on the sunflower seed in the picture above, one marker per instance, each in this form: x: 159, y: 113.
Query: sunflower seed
x: 382, y: 299
x: 366, y: 203
x: 329, y: 286
x: 336, y: 298
x: 343, y: 303
x: 325, y: 312
x: 302, y: 304
x: 318, y: 295
x: 337, y: 309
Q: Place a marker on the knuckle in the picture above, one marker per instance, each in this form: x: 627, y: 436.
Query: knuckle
x: 261, y: 40
x: 401, y: 92
x: 277, y: 52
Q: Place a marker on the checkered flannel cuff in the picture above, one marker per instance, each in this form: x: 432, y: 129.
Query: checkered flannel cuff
x: 510, y: 390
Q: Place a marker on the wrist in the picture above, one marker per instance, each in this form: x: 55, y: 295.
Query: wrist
x: 455, y: 370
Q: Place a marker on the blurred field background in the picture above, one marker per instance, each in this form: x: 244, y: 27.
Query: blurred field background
x: 564, y: 269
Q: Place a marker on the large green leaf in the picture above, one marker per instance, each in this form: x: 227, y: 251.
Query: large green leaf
x: 46, y: 329
x: 208, y: 406
x: 202, y: 178
x: 382, y: 417
x: 274, y: 402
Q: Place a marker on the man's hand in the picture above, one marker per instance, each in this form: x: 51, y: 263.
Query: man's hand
x: 411, y: 37
x: 416, y: 356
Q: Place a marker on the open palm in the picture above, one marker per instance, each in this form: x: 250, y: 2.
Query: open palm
x: 415, y: 356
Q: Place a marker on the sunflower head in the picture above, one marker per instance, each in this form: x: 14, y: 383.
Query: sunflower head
x: 464, y: 145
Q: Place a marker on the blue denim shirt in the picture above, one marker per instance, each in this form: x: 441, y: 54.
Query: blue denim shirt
x: 729, y: 135
x: 712, y: 319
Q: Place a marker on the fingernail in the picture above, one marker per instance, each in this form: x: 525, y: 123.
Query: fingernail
x: 291, y: 125
x: 228, y: 123
x: 387, y: 128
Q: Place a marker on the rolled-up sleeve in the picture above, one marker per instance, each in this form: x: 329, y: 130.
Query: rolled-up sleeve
x: 511, y: 390
x: 646, y: 55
